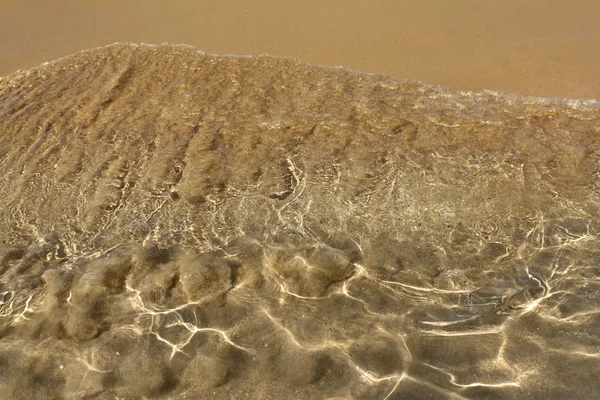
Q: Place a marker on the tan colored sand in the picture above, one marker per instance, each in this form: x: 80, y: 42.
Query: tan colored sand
x: 182, y: 226
x: 537, y: 47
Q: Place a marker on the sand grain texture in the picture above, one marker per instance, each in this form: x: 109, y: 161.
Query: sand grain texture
x: 179, y: 225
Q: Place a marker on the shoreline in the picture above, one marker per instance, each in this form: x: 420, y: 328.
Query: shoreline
x: 445, y: 91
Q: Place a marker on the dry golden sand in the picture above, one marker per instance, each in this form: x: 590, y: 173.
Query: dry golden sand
x: 534, y: 47
x: 181, y: 226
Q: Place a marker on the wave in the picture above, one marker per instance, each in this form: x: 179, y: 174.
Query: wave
x: 180, y: 224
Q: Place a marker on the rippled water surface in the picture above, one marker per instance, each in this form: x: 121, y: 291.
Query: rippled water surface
x: 183, y: 226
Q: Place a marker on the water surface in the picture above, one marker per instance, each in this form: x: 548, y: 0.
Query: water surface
x: 534, y: 47
x: 180, y: 225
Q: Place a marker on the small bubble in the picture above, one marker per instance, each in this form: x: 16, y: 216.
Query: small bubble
x: 62, y: 367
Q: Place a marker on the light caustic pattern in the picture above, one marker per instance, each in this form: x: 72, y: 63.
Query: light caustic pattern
x: 317, y: 317
x: 378, y: 328
x: 179, y: 225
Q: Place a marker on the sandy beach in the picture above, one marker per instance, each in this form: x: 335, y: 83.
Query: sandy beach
x: 201, y: 221
x: 178, y: 225
x: 537, y: 47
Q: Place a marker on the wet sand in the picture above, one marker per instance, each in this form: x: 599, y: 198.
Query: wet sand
x: 177, y: 225
x: 181, y: 226
x: 535, y: 47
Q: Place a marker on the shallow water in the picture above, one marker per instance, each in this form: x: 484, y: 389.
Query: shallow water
x: 177, y: 225
x: 534, y: 47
